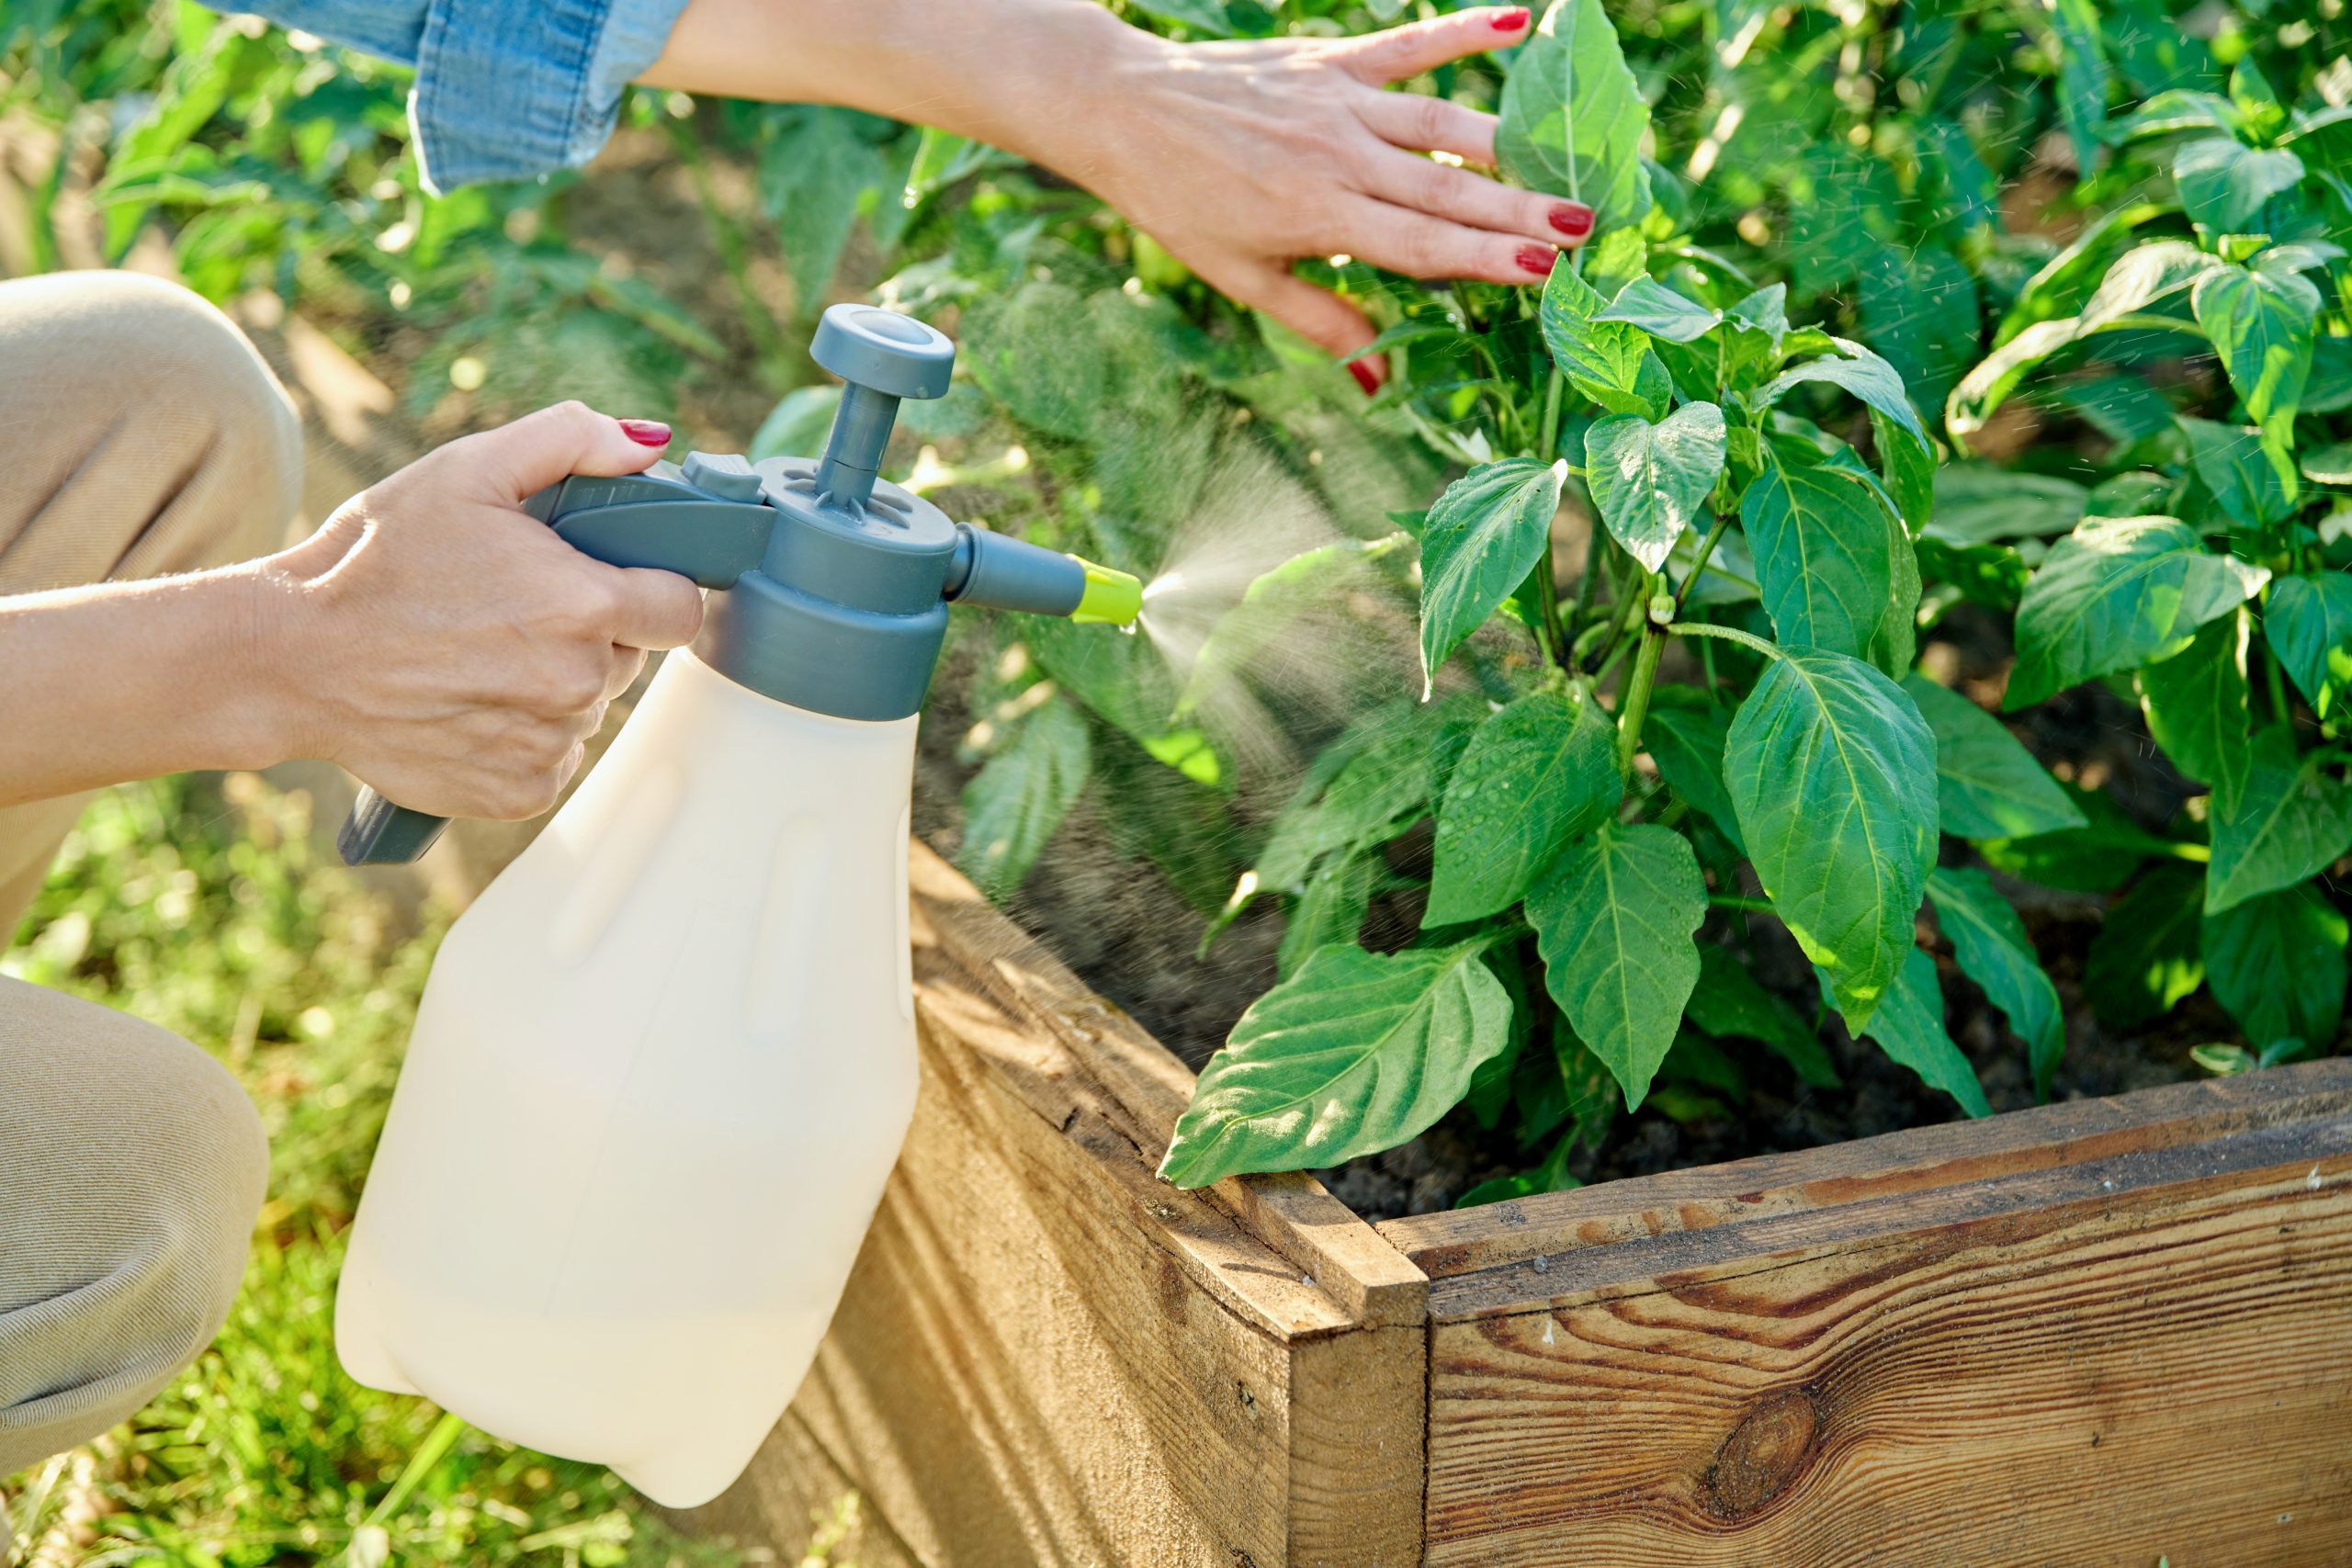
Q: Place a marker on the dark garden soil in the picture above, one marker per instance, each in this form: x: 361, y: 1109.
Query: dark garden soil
x: 1120, y: 927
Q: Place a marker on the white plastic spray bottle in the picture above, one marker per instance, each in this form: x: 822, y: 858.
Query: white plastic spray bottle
x: 665, y: 1063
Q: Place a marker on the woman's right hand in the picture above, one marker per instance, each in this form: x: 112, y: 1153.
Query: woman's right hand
x: 448, y: 649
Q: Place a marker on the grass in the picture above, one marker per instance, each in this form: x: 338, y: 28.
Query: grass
x: 201, y: 904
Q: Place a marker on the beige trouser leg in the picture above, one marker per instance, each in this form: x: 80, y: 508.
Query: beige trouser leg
x: 145, y: 437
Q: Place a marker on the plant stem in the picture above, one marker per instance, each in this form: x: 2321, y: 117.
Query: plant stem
x: 1637, y: 692
x: 430, y: 1453
x: 1550, y: 447
x: 1729, y: 634
x: 1732, y: 901
x: 2279, y: 711
x: 1547, y: 610
x: 1706, y: 553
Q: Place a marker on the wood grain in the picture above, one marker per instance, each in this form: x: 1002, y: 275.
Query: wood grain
x: 1047, y: 1356
x: 2128, y: 1336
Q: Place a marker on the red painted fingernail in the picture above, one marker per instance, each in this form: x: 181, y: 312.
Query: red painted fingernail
x: 1572, y: 218
x: 1367, y: 375
x: 1510, y: 21
x: 646, y: 431
x: 1538, y: 260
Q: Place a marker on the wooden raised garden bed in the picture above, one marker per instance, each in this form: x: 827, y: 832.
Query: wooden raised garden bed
x: 2095, y: 1333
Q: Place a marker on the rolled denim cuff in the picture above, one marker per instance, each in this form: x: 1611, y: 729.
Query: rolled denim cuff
x: 512, y: 92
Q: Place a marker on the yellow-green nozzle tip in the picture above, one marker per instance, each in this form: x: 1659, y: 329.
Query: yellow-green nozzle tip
x: 1112, y: 598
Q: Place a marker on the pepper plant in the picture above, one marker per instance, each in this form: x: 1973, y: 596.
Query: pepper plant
x: 1589, y: 811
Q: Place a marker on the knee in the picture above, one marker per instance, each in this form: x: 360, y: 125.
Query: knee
x: 137, y: 1167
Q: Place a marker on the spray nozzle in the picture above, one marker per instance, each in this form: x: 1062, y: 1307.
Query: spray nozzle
x: 1001, y: 573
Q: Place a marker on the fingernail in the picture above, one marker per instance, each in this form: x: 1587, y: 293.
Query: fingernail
x: 1366, y: 376
x: 1510, y: 21
x: 1537, y: 261
x: 646, y: 431
x: 1572, y: 218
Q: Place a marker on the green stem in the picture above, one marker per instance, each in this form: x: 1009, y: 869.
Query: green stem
x: 432, y: 1452
x: 1729, y: 634
x: 1637, y: 694
x: 2276, y: 680
x: 1706, y: 553
x: 1547, y: 610
x: 1731, y: 901
x: 1550, y: 447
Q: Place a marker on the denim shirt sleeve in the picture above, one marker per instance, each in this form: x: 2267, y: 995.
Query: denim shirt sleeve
x: 505, y: 89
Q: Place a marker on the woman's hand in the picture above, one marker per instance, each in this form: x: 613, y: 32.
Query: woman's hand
x: 448, y: 647
x: 1241, y: 158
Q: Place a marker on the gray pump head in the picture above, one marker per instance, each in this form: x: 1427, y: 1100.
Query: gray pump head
x: 834, y: 583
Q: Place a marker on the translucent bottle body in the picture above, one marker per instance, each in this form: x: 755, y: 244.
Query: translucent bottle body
x: 659, y: 1075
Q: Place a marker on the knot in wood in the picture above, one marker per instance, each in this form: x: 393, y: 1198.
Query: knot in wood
x: 1763, y: 1455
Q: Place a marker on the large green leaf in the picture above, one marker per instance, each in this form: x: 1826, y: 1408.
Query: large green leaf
x: 2147, y: 958
x: 2223, y: 182
x: 2082, y: 76
x: 1376, y: 778
x: 1978, y: 503
x: 1329, y: 909
x: 1016, y: 800
x: 2292, y: 819
x: 1988, y: 786
x: 1482, y: 538
x: 1609, y: 362
x: 1685, y: 738
x: 816, y: 165
x: 2097, y: 858
x: 2260, y: 324
x: 2307, y: 620
x: 1728, y: 1003
x: 1573, y: 116
x: 1909, y: 1027
x: 1860, y: 372
x: 2229, y: 461
x: 2195, y: 707
x: 1614, y: 919
x: 1661, y: 312
x: 2116, y: 593
x: 1823, y: 553
x: 1536, y: 775
x: 1650, y: 481
x: 1357, y: 1052
x: 1920, y: 309
x: 1833, y: 773
x: 1992, y: 947
x: 2277, y: 963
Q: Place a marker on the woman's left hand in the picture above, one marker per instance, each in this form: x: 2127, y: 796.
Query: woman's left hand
x: 1243, y: 157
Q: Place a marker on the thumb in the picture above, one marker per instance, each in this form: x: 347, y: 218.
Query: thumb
x: 520, y: 459
x: 1319, y: 316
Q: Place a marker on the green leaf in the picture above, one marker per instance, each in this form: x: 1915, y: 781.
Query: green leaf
x: 1909, y: 1027
x: 2195, y: 707
x: 2116, y: 593
x: 1573, y: 116
x: 2098, y: 858
x: 816, y: 163
x: 1658, y: 310
x: 1330, y: 910
x: 2223, y: 182
x: 1863, y: 374
x: 2082, y: 77
x: 2291, y: 820
x: 1651, y: 481
x: 1990, y: 943
x: 1016, y: 800
x: 2276, y: 963
x: 1920, y: 308
x: 2261, y: 324
x: 1609, y: 362
x: 1483, y: 536
x: 1272, y: 608
x: 1685, y: 738
x: 1357, y: 1052
x: 1536, y: 775
x: 1062, y: 393
x: 1992, y: 575
x: 1977, y: 503
x: 1364, y: 787
x: 2308, y: 620
x: 1728, y: 1004
x: 1833, y: 773
x: 1823, y: 555
x: 2147, y: 958
x: 1614, y: 919
x: 2229, y: 461
x: 1988, y: 786
x: 2174, y: 109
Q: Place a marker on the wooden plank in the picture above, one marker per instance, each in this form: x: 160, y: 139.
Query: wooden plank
x: 1046, y: 1356
x: 795, y: 1503
x: 1465, y: 1241
x: 2056, y: 1360
x: 1142, y: 1088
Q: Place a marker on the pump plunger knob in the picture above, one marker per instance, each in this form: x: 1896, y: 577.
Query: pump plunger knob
x: 882, y: 356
